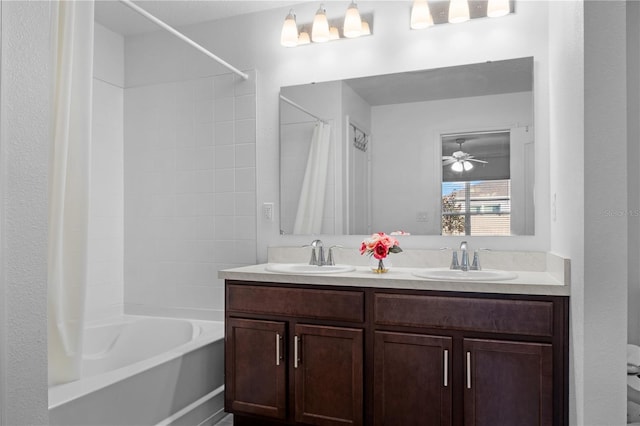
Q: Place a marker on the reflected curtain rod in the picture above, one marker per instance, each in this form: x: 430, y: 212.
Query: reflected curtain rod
x: 182, y: 37
x: 303, y: 109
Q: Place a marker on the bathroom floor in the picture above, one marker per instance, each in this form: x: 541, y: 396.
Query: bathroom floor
x: 226, y: 421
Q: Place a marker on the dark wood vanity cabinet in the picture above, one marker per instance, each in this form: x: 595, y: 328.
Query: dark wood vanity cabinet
x: 314, y: 355
x: 295, y: 355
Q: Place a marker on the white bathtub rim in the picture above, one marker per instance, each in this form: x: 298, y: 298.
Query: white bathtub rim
x: 64, y: 393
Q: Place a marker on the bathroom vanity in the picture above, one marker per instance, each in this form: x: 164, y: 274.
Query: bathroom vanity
x: 364, y: 349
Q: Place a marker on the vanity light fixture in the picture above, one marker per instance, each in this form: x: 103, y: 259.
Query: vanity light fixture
x: 352, y: 22
x: 427, y: 13
x: 320, y: 29
x: 323, y: 30
x: 289, y: 35
x: 334, y: 33
x: 421, y: 15
x: 458, y: 11
x: 303, y: 38
x: 497, y: 8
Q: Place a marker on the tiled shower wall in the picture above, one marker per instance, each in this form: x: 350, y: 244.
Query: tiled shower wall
x: 105, y: 282
x: 189, y: 179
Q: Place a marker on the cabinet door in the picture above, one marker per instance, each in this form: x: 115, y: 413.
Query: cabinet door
x: 412, y: 379
x: 328, y: 375
x: 255, y: 368
x: 508, y: 383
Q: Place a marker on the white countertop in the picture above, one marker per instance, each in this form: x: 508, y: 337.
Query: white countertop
x: 527, y: 282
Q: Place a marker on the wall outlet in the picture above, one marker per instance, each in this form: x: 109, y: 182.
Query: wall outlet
x: 267, y: 211
x: 422, y: 217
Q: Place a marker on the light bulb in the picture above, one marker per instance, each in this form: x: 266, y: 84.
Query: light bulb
x: 335, y: 34
x: 457, y: 166
x: 320, y: 29
x: 366, y: 30
x: 458, y: 11
x: 497, y: 8
x: 352, y: 22
x: 421, y: 15
x: 289, y: 35
x: 303, y: 38
x: 468, y: 165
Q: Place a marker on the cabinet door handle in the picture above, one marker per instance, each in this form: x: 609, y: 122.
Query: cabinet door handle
x: 278, y: 338
x: 296, y: 341
x: 446, y: 368
x: 468, y: 370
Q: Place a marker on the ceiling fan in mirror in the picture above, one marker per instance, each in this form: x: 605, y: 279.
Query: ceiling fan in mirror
x: 460, y: 160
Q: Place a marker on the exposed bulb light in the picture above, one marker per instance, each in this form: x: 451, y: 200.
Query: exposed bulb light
x: 303, y: 38
x: 458, y: 11
x: 421, y: 15
x: 320, y: 29
x: 335, y: 34
x: 497, y: 8
x: 468, y: 165
x: 352, y: 22
x: 289, y: 35
x: 457, y: 166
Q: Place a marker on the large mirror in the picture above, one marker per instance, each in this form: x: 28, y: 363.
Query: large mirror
x: 446, y: 151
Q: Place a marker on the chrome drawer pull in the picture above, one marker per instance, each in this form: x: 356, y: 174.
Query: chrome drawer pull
x: 296, y: 340
x: 468, y: 370
x: 446, y: 368
x: 277, y: 348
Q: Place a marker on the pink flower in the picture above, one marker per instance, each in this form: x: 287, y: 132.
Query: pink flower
x: 379, y: 245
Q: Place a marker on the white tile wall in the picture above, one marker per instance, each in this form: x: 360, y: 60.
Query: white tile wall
x: 105, y: 283
x: 190, y: 185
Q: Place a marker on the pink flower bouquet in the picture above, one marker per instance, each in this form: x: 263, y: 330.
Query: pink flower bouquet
x: 380, y: 245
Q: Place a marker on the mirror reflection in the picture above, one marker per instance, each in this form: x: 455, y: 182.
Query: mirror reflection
x: 444, y: 151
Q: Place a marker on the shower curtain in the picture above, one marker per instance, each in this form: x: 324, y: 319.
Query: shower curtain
x: 314, y: 185
x: 69, y: 179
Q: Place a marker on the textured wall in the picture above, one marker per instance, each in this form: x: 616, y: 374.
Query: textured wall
x: 24, y: 110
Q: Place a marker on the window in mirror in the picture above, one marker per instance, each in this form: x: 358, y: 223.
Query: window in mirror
x: 476, y: 183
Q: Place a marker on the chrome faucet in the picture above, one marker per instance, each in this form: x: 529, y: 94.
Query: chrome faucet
x: 317, y: 253
x: 464, y: 261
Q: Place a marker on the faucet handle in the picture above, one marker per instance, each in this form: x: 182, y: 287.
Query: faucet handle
x: 330, y: 260
x: 454, y: 261
x: 314, y: 259
x: 475, y: 265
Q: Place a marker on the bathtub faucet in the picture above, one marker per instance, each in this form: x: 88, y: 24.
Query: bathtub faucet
x: 317, y: 253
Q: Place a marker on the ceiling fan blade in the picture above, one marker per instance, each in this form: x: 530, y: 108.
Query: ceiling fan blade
x: 448, y: 161
x: 477, y: 161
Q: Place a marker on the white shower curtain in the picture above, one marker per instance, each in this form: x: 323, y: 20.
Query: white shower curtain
x: 69, y: 180
x: 314, y: 185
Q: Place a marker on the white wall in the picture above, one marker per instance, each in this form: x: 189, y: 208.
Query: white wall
x: 633, y: 172
x: 189, y: 179
x: 105, y: 283
x: 407, y: 144
x: 605, y: 235
x: 24, y: 144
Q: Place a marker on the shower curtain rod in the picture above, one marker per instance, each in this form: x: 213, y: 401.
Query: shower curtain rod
x: 182, y: 37
x: 303, y: 109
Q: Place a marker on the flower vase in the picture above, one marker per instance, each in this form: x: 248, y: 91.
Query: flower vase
x: 379, y: 266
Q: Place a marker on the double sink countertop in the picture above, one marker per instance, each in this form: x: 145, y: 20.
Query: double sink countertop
x: 538, y: 273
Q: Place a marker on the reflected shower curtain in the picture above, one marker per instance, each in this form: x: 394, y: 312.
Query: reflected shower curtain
x: 69, y: 179
x: 314, y: 185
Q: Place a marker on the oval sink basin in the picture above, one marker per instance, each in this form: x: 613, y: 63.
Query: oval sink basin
x: 302, y: 268
x: 457, y: 275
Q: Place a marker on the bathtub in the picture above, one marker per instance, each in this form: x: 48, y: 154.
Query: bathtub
x: 145, y: 371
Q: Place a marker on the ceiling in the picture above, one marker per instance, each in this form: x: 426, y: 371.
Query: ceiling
x: 481, y: 79
x: 120, y: 19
